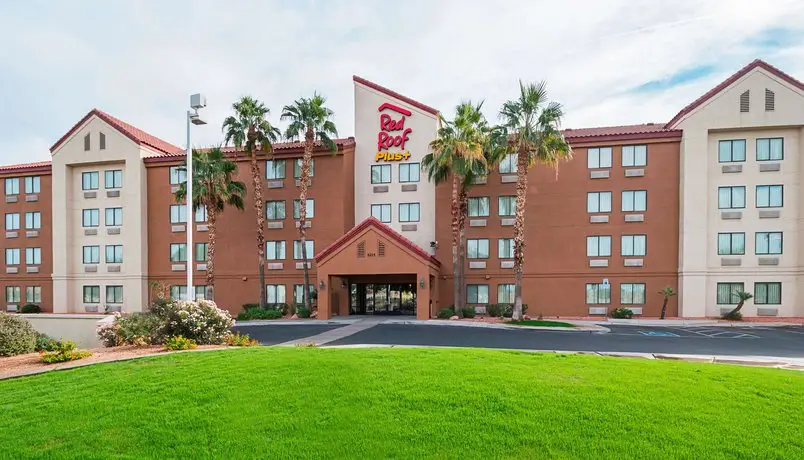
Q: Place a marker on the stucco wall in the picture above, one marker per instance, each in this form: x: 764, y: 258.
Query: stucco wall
x: 81, y: 329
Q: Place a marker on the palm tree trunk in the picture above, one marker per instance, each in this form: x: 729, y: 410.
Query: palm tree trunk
x: 463, y: 210
x: 259, y: 210
x: 212, y: 220
x: 305, y: 177
x: 664, y: 307
x: 519, y: 231
x: 737, y: 308
x: 454, y: 208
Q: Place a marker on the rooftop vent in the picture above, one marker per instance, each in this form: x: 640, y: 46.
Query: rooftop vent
x: 770, y: 100
x: 744, y: 100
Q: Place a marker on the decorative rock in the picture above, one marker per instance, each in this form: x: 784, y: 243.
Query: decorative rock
x: 295, y: 316
x: 314, y: 314
x: 525, y: 318
x: 454, y: 317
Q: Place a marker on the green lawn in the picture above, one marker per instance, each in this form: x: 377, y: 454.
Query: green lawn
x: 533, y: 322
x: 402, y: 403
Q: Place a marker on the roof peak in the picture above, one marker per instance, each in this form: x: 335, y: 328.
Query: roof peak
x: 394, y: 94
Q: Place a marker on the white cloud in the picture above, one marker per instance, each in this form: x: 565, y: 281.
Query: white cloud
x: 140, y: 60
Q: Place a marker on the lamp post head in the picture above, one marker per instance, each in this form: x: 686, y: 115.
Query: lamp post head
x: 198, y: 101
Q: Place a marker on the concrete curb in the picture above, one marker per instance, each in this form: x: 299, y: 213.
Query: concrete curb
x: 689, y: 322
x: 585, y: 327
x: 294, y: 322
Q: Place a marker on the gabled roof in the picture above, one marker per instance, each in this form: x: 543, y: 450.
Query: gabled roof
x: 382, y: 228
x: 137, y: 135
x: 38, y: 166
x: 619, y: 133
x: 395, y: 95
x: 756, y: 63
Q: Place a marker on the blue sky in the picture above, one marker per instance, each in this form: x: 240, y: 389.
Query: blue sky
x: 609, y: 62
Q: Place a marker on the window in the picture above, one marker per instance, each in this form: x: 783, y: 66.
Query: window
x: 201, y: 252
x: 505, y: 293
x: 727, y: 293
x: 275, y: 293
x: 768, y: 243
x: 201, y: 292
x: 178, y: 175
x: 635, y: 155
x: 598, y: 157
x: 477, y: 248
x: 91, y: 254
x: 730, y: 244
x: 309, y: 250
x: 731, y: 197
x: 380, y: 174
x: 113, y: 178
x: 771, y: 149
x: 382, y: 212
x: 297, y: 167
x: 12, y: 186
x: 477, y: 293
x: 12, y: 256
x: 598, y: 202
x: 506, y: 206
x: 33, y: 256
x: 634, y: 245
x: 13, y: 221
x: 408, y: 212
x: 632, y: 294
x: 178, y: 292
x: 201, y: 214
x: 298, y: 292
x: 409, y: 172
x: 178, y: 213
x: 309, y: 212
x: 114, y: 294
x: 275, y: 169
x: 33, y: 294
x: 598, y: 246
x: 89, y: 180
x: 598, y: 294
x: 114, y: 217
x: 275, y: 250
x: 767, y: 293
x: 178, y: 252
x: 91, y: 294
x: 13, y: 294
x: 731, y: 151
x: 33, y: 220
x: 90, y: 217
x: 32, y: 184
x: 479, y: 206
x: 274, y: 210
x: 505, y: 248
x: 114, y: 253
x: 102, y: 138
x: 770, y: 196
x: 635, y: 200
x: 508, y: 164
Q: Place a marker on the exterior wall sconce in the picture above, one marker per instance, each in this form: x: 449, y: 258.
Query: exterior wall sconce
x: 343, y: 284
x: 421, y: 283
x: 322, y: 284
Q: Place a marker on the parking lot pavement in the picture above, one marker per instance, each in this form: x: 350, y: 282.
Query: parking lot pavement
x: 275, y: 334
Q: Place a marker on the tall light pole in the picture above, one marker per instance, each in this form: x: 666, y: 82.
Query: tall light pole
x: 197, y: 101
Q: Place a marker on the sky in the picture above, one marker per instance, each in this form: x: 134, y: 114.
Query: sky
x: 609, y: 62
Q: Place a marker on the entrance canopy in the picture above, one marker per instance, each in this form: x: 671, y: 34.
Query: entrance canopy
x: 376, y: 252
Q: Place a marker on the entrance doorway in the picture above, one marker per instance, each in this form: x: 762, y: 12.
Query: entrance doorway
x: 382, y: 298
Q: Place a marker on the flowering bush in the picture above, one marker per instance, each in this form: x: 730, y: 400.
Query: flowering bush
x: 63, y: 350
x: 180, y: 343
x: 17, y: 336
x: 201, y: 321
x: 109, y: 333
x: 241, y: 340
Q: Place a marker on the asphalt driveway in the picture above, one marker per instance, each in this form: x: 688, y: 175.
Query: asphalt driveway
x: 272, y: 334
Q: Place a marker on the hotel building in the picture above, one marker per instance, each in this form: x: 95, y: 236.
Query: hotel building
x: 707, y: 203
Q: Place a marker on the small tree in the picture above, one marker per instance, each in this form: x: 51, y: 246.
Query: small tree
x: 742, y: 296
x: 667, y: 292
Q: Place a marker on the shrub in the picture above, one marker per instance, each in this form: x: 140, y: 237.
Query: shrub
x: 201, y: 321
x: 30, y: 308
x: 622, y: 313
x: 508, y: 309
x: 17, y: 336
x: 179, y: 343
x: 140, y: 329
x: 257, y: 313
x: 44, y: 342
x: 109, y: 334
x: 446, y: 313
x: 63, y: 350
x: 241, y: 340
x: 250, y: 306
x: 468, y: 312
x: 303, y: 312
x: 494, y: 310
x: 736, y: 316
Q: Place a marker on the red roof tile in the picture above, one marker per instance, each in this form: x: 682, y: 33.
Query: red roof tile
x: 38, y: 166
x: 395, y: 95
x: 135, y: 134
x: 388, y: 231
x: 619, y: 133
x: 729, y: 81
x: 279, y: 146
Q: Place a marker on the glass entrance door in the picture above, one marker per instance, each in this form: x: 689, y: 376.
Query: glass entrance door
x: 383, y: 299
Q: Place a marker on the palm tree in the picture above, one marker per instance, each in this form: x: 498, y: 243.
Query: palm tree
x: 667, y: 292
x: 534, y: 135
x: 457, y: 150
x: 213, y: 189
x: 742, y: 296
x: 249, y: 130
x: 310, y: 120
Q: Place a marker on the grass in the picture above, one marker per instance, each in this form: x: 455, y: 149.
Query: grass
x: 402, y: 403
x: 533, y: 322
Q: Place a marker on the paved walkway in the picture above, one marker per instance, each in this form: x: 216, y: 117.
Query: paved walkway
x: 334, y: 334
